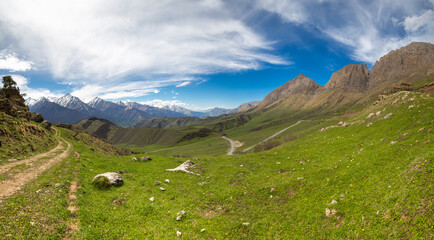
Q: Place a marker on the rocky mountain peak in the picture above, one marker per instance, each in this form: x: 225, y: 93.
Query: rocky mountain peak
x: 300, y: 84
x: 351, y: 78
x: 409, y: 63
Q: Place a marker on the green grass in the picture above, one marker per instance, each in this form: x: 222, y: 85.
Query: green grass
x: 39, y: 211
x: 20, y: 138
x: 383, y: 190
x: 381, y: 177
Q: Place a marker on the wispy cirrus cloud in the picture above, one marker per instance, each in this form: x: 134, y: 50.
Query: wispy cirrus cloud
x: 369, y: 28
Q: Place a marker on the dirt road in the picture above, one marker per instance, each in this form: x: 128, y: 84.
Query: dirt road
x: 38, y: 164
x: 273, y: 136
x: 232, y: 142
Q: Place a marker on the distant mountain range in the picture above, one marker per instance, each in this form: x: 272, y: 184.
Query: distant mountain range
x: 71, y: 109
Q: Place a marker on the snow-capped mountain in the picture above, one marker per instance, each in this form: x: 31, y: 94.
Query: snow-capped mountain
x: 54, y: 112
x: 70, y: 109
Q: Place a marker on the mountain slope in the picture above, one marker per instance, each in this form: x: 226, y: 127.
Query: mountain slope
x: 55, y: 113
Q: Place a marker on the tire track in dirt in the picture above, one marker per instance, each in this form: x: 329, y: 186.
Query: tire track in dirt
x: 6, y: 167
x: 12, y: 185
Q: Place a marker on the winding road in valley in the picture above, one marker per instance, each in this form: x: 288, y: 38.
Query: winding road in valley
x: 232, y: 142
x: 273, y: 136
x: 31, y: 168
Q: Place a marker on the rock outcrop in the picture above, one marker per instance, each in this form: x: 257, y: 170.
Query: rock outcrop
x: 299, y: 85
x: 409, y: 63
x: 114, y: 179
x: 351, y: 78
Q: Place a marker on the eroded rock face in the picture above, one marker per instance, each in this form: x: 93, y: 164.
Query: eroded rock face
x: 300, y: 84
x: 408, y: 63
x: 115, y: 179
x: 351, y: 78
x: 36, y: 117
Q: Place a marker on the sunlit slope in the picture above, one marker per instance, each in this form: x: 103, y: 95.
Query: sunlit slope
x: 374, y: 180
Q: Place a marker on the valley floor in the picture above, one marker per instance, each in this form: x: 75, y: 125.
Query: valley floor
x: 370, y: 176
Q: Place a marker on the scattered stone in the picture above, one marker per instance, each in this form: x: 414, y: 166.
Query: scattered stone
x: 162, y: 189
x: 134, y: 159
x: 342, y: 195
x: 146, y: 158
x: 32, y: 223
x: 331, y: 212
x: 272, y: 189
x: 388, y: 115
x: 184, y: 167
x: 178, y: 233
x: 203, y: 230
x: 392, y: 142
x: 377, y: 113
x: 278, y: 163
x: 39, y: 190
x: 179, y: 215
x: 12, y: 160
x: 151, y: 199
x: 167, y: 180
x: 114, y: 179
x: 411, y: 106
x: 58, y: 184
x: 246, y: 224
x: 341, y: 123
x: 369, y: 124
x: 370, y: 115
x: 300, y: 178
x: 333, y: 202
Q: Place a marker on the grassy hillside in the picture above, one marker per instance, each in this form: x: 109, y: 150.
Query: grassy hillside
x: 20, y: 138
x: 371, y: 179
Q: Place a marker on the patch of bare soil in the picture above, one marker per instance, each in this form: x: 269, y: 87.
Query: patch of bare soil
x: 73, y: 223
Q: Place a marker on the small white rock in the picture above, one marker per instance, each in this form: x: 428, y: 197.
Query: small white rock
x: 333, y: 202
x: 278, y: 163
x: 167, y: 180
x: 203, y: 230
x: 246, y: 224
x: 32, y: 223
x: 151, y: 199
x: 178, y: 233
x: 162, y: 189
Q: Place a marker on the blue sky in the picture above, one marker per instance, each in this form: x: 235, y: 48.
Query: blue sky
x: 196, y: 54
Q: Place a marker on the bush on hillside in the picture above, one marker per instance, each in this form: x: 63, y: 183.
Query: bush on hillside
x: 270, y: 144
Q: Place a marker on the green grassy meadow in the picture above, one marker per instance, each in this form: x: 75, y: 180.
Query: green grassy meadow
x: 378, y: 177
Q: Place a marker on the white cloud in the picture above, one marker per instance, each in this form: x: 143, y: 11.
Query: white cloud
x: 103, y: 40
x: 35, y: 93
x: 423, y: 22
x: 162, y: 103
x: 183, y: 84
x: 173, y: 103
x: 10, y: 62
